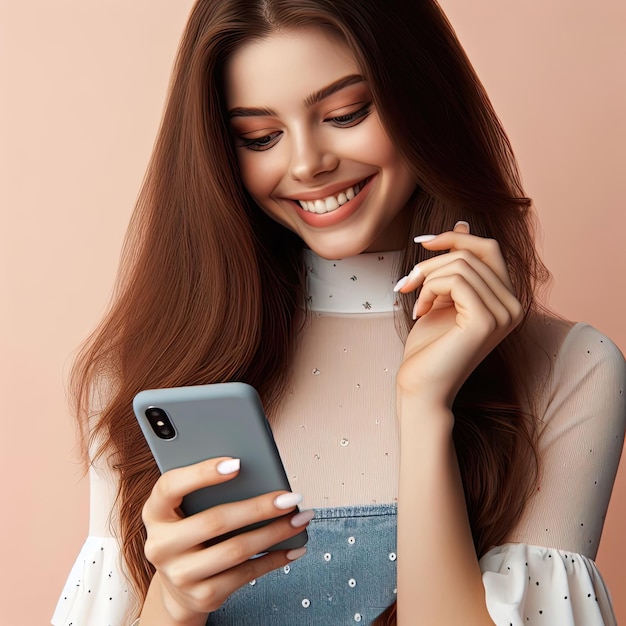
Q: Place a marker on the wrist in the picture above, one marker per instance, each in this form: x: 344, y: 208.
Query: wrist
x: 424, y: 411
x: 159, y: 608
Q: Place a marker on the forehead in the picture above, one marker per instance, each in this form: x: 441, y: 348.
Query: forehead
x: 285, y: 67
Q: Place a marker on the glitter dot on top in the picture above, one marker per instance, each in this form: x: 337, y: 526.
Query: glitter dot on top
x: 357, y: 617
x: 287, y: 569
x: 252, y: 582
x: 344, y: 442
x: 328, y: 556
x: 392, y: 556
x: 351, y: 540
x: 352, y: 583
x: 306, y: 603
x: 316, y: 372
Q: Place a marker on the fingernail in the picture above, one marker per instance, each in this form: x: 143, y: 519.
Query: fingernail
x: 415, y: 272
x: 401, y: 283
x: 424, y: 238
x: 292, y: 555
x: 229, y: 466
x: 287, y: 500
x: 462, y: 223
x: 302, y: 518
x: 415, y: 311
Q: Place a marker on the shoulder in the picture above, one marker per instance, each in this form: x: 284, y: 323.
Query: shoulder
x: 588, y: 357
x: 581, y: 373
x: 585, y: 342
x: 561, y: 349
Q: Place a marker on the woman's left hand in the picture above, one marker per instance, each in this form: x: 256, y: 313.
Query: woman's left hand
x: 466, y: 307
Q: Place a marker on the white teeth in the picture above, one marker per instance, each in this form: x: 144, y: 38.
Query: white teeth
x: 331, y: 203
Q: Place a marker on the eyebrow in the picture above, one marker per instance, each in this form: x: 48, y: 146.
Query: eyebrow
x: 309, y: 101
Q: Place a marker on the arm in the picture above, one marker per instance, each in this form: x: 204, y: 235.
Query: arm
x: 438, y: 574
x: 466, y: 307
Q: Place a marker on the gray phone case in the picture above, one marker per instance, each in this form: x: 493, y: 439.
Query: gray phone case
x: 225, y: 419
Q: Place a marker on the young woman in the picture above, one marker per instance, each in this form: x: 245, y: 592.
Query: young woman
x: 304, y: 147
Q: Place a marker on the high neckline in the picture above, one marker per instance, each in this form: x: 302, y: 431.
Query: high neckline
x: 358, y: 284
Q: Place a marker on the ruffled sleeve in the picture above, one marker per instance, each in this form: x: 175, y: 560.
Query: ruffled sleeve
x: 527, y: 584
x: 96, y: 592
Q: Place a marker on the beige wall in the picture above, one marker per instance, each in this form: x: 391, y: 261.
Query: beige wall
x: 81, y: 92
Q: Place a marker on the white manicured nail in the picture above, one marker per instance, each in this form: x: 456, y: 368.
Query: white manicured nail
x: 292, y: 555
x: 424, y: 238
x: 229, y: 466
x: 401, y: 283
x: 288, y: 500
x: 462, y: 223
x: 415, y: 311
x: 415, y: 272
x: 302, y: 518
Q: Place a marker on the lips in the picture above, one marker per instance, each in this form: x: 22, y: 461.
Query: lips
x: 344, y: 211
x: 332, y: 202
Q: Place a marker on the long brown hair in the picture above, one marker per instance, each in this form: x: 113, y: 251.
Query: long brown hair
x: 210, y: 288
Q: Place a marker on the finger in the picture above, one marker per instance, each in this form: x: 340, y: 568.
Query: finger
x: 219, y: 520
x: 461, y: 227
x: 211, y: 593
x: 484, y: 248
x: 468, y: 304
x: 232, y: 552
x: 462, y: 274
x: 169, y: 490
x: 456, y: 262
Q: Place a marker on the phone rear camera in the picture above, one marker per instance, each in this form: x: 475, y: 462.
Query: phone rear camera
x: 160, y: 422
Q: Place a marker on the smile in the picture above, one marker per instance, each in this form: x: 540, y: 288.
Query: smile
x: 332, y: 203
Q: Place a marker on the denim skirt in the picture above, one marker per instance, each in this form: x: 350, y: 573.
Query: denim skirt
x: 347, y: 576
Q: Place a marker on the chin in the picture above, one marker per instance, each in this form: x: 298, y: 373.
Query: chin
x: 332, y: 252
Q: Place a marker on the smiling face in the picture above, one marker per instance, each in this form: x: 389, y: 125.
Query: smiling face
x: 311, y: 148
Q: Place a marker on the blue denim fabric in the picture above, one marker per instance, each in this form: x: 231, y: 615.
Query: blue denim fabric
x: 347, y: 576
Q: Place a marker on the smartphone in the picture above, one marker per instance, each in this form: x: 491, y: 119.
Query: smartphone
x: 186, y: 425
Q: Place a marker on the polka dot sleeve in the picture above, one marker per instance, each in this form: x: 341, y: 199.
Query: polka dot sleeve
x: 95, y: 592
x: 526, y: 582
x: 544, y: 586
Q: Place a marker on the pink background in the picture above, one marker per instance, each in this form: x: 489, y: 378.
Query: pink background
x: 81, y: 94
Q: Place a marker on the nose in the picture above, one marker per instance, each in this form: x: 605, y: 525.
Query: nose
x: 310, y: 158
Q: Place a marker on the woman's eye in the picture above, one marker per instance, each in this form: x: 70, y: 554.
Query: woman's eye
x: 260, y: 143
x: 351, y: 119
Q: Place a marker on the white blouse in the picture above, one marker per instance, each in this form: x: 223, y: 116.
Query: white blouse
x: 338, y: 438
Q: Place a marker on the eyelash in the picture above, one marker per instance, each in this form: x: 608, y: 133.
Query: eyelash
x: 260, y: 144
x: 351, y: 119
x: 257, y: 145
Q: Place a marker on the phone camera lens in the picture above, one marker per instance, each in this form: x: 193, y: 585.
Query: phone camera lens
x: 160, y: 422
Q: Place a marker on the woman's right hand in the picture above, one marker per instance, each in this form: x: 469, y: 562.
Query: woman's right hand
x: 193, y: 579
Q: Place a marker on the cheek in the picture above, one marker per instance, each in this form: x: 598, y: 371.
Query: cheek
x: 374, y: 146
x: 386, y: 153
x: 258, y: 174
